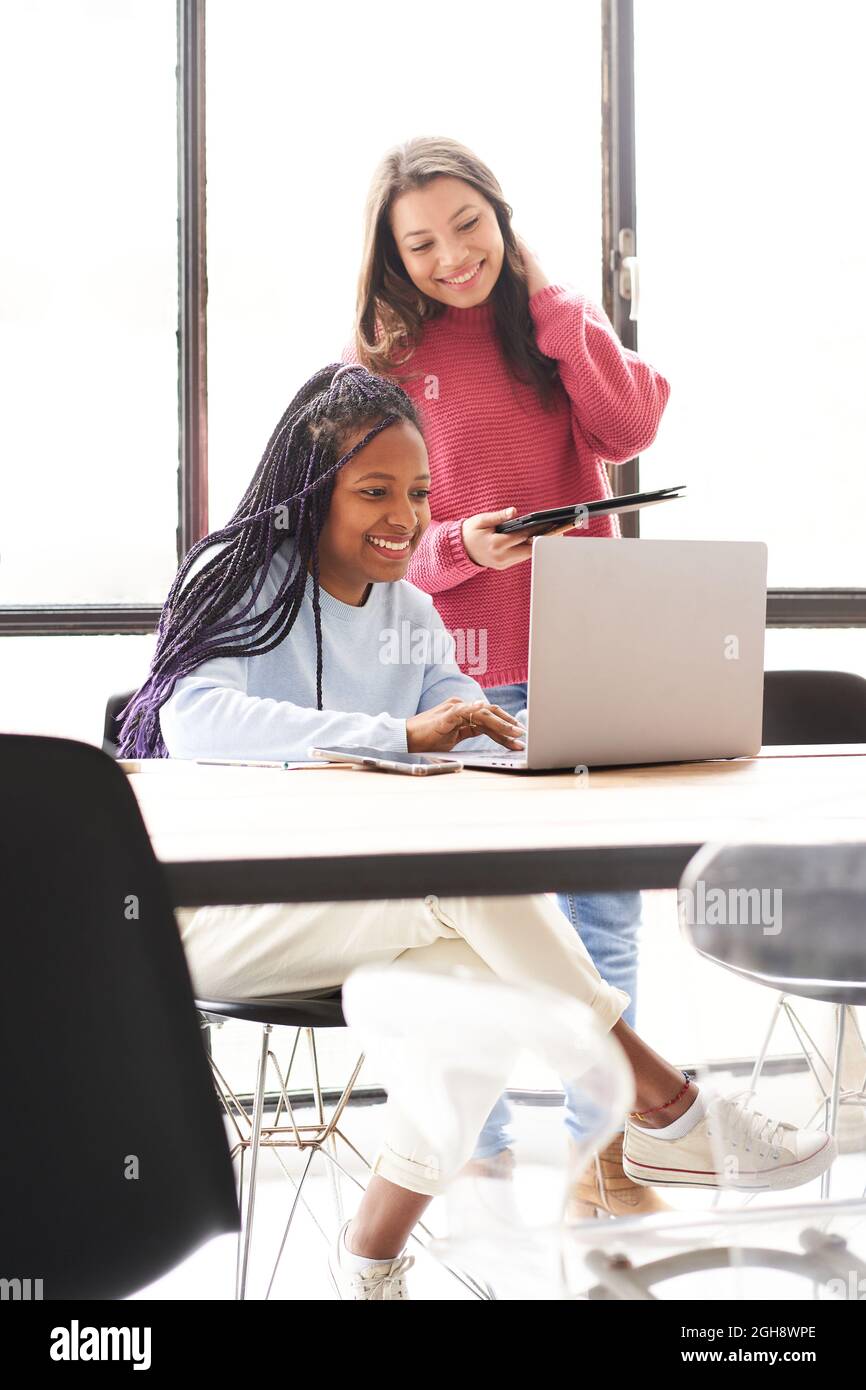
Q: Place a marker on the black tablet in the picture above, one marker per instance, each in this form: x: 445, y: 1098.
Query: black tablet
x: 554, y: 517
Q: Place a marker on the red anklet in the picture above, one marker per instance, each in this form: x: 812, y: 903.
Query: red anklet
x: 642, y: 1114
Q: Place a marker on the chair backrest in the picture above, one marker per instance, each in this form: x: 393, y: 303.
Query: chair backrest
x: 814, y: 707
x: 111, y: 729
x: 113, y: 1159
x: 792, y: 915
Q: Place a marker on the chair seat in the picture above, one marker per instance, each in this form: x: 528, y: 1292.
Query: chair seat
x: 312, y: 1010
x: 824, y: 991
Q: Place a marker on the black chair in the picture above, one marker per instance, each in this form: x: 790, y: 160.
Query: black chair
x: 297, y: 1011
x: 810, y: 707
x: 791, y: 918
x: 114, y: 1164
x: 111, y: 727
x: 305, y: 1013
x: 814, y: 707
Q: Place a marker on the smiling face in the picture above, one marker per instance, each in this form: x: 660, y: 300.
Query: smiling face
x: 379, y: 511
x: 449, y: 241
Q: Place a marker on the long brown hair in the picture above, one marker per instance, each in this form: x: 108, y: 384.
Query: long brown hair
x: 391, y: 310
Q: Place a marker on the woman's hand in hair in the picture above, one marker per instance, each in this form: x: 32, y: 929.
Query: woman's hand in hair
x: 535, y: 277
x: 500, y: 550
x: 441, y: 728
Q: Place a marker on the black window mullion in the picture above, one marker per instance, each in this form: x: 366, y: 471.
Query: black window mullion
x: 192, y: 277
x: 619, y: 210
x: 74, y: 620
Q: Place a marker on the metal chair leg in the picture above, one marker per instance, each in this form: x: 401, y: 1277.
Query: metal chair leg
x: 834, y: 1093
x: 255, y: 1137
x: 331, y: 1140
x: 762, y: 1055
x: 240, y: 1152
x: 284, y: 1080
x: 310, y: 1155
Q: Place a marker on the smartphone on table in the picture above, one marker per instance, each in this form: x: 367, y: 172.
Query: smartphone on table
x: 415, y: 764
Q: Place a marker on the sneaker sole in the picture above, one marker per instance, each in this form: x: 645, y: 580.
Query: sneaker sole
x: 792, y: 1175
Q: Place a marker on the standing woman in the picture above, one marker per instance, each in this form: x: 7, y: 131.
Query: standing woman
x: 525, y: 390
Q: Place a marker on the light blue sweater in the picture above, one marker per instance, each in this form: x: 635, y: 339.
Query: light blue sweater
x: 381, y: 663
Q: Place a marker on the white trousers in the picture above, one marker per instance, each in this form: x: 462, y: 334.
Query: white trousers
x: 282, y: 948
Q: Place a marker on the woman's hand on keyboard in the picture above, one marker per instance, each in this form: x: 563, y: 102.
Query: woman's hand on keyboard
x: 441, y: 728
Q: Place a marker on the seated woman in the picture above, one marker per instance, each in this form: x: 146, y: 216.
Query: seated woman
x: 276, y: 635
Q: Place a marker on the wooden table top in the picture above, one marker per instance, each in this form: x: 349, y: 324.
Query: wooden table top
x: 236, y: 835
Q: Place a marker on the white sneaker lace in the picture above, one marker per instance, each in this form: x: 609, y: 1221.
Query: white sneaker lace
x: 741, y: 1124
x: 383, y: 1281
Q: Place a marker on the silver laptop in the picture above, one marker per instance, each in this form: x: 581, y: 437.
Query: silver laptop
x: 641, y: 651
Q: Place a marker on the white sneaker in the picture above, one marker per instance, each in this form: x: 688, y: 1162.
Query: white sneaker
x: 380, y: 1279
x: 732, y: 1146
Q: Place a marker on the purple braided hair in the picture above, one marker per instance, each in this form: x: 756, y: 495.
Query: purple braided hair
x: 202, y: 620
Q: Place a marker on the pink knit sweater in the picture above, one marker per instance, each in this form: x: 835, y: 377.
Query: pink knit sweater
x: 491, y: 445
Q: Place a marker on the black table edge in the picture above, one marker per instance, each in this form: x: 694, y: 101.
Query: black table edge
x: 471, y: 873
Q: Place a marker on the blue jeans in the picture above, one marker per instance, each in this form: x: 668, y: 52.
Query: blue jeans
x: 607, y: 924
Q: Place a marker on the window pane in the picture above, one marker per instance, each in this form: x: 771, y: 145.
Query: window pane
x: 751, y: 206
x: 302, y: 102
x: 88, y: 266
x: 59, y: 686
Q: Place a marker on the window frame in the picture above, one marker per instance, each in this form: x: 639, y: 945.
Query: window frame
x: 192, y: 482
x: 812, y: 608
x: 824, y: 607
